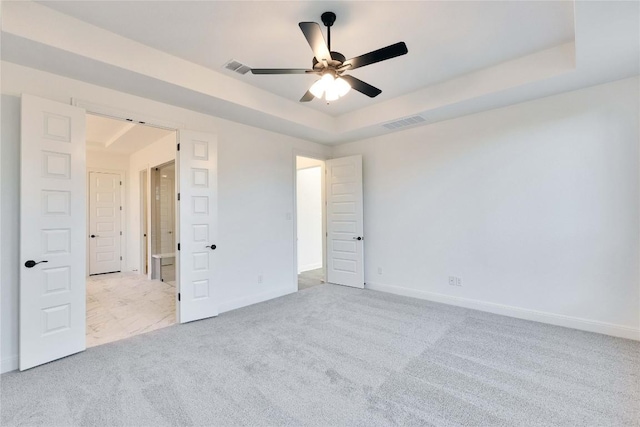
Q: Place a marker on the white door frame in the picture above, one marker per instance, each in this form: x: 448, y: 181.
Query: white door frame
x: 140, y: 118
x: 144, y: 220
x: 315, y: 156
x: 123, y: 216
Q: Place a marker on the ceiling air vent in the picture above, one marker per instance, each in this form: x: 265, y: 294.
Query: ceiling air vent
x: 407, y: 121
x: 237, y: 67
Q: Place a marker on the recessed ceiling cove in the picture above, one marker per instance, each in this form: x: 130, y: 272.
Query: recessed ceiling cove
x: 446, y: 39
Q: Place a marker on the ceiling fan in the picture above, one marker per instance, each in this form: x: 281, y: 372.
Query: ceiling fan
x: 332, y: 65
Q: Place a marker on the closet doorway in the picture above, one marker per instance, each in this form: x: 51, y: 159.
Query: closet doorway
x: 310, y: 224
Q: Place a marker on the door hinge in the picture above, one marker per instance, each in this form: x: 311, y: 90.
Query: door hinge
x: 120, y: 207
x: 178, y: 196
x: 121, y: 233
x: 178, y: 296
x: 120, y: 182
x: 120, y: 258
x: 178, y: 246
x: 178, y: 147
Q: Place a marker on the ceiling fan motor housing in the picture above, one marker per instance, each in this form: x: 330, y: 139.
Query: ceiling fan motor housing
x: 336, y: 60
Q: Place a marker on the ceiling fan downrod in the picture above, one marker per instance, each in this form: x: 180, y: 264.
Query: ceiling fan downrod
x: 328, y: 18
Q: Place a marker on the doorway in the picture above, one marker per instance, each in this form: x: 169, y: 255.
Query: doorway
x: 121, y: 300
x: 310, y: 228
x: 61, y: 305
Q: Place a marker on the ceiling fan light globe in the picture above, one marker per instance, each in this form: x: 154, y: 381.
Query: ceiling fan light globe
x: 322, y: 85
x: 342, y: 86
x: 331, y: 94
x: 317, y: 89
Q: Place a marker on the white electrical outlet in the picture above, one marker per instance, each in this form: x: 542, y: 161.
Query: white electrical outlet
x: 288, y: 216
x: 259, y: 278
x: 379, y: 270
x: 455, y: 281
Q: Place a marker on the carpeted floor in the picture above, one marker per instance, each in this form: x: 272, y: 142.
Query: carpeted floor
x: 333, y: 355
x: 308, y: 279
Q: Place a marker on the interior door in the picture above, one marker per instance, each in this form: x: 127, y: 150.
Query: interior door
x: 52, y: 231
x: 104, y: 222
x: 197, y: 213
x: 344, y: 222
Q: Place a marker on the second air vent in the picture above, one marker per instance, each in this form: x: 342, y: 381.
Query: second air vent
x: 407, y: 121
x: 237, y: 67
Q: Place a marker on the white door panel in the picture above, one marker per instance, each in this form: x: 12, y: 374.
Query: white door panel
x: 197, y: 172
x: 52, y: 231
x: 345, y: 222
x: 104, y: 222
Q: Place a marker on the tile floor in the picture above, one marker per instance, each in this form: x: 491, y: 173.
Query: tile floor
x: 121, y: 305
x: 308, y: 279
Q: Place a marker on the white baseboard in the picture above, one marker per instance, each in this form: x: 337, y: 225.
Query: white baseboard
x: 254, y: 299
x: 9, y: 364
x: 517, y: 312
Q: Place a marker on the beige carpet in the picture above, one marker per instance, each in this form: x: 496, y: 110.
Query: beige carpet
x: 332, y: 355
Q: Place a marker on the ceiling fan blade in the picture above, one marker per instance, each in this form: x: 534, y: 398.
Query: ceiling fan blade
x: 383, y: 54
x: 307, y: 97
x: 313, y: 34
x: 362, y: 87
x: 281, y: 71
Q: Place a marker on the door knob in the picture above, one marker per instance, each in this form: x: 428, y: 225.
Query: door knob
x: 212, y: 247
x: 31, y: 263
x: 357, y: 238
x: 93, y: 236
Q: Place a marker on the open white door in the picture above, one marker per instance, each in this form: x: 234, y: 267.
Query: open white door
x: 52, y: 231
x: 197, y: 213
x: 344, y: 222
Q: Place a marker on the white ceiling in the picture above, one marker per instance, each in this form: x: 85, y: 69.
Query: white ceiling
x: 118, y: 136
x: 445, y: 39
x: 464, y: 57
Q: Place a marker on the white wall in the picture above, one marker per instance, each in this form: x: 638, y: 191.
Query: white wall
x: 535, y: 206
x: 255, y: 184
x: 106, y: 160
x: 309, y: 201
